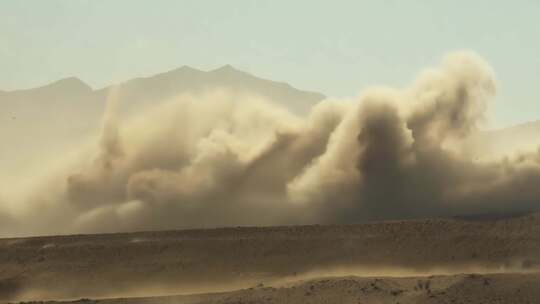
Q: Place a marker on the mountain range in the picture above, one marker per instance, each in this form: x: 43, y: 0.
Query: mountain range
x: 40, y: 122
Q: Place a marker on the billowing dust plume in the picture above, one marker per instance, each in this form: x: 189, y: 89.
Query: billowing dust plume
x: 219, y: 159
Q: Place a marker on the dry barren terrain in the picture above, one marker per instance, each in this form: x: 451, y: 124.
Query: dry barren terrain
x: 472, y: 260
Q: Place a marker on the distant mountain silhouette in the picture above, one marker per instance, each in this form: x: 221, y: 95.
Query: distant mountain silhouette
x: 140, y: 91
x: 523, y: 137
x: 40, y: 121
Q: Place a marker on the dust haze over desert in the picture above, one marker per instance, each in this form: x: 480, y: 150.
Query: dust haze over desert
x: 219, y: 186
x: 218, y: 158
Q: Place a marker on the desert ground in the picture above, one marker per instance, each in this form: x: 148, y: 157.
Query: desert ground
x: 472, y: 288
x: 458, y: 260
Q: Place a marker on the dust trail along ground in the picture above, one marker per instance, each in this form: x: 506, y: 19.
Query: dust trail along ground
x: 501, y: 288
x: 214, y: 260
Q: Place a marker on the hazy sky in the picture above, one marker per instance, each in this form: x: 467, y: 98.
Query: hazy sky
x: 335, y: 47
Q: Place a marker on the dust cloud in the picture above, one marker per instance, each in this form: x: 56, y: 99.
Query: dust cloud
x: 218, y: 159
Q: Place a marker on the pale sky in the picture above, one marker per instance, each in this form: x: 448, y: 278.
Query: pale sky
x: 334, y: 47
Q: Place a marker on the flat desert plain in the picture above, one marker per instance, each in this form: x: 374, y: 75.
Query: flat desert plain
x: 458, y: 260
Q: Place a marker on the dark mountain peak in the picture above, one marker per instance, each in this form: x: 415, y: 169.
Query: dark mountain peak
x: 184, y: 69
x: 227, y: 69
x: 71, y: 83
